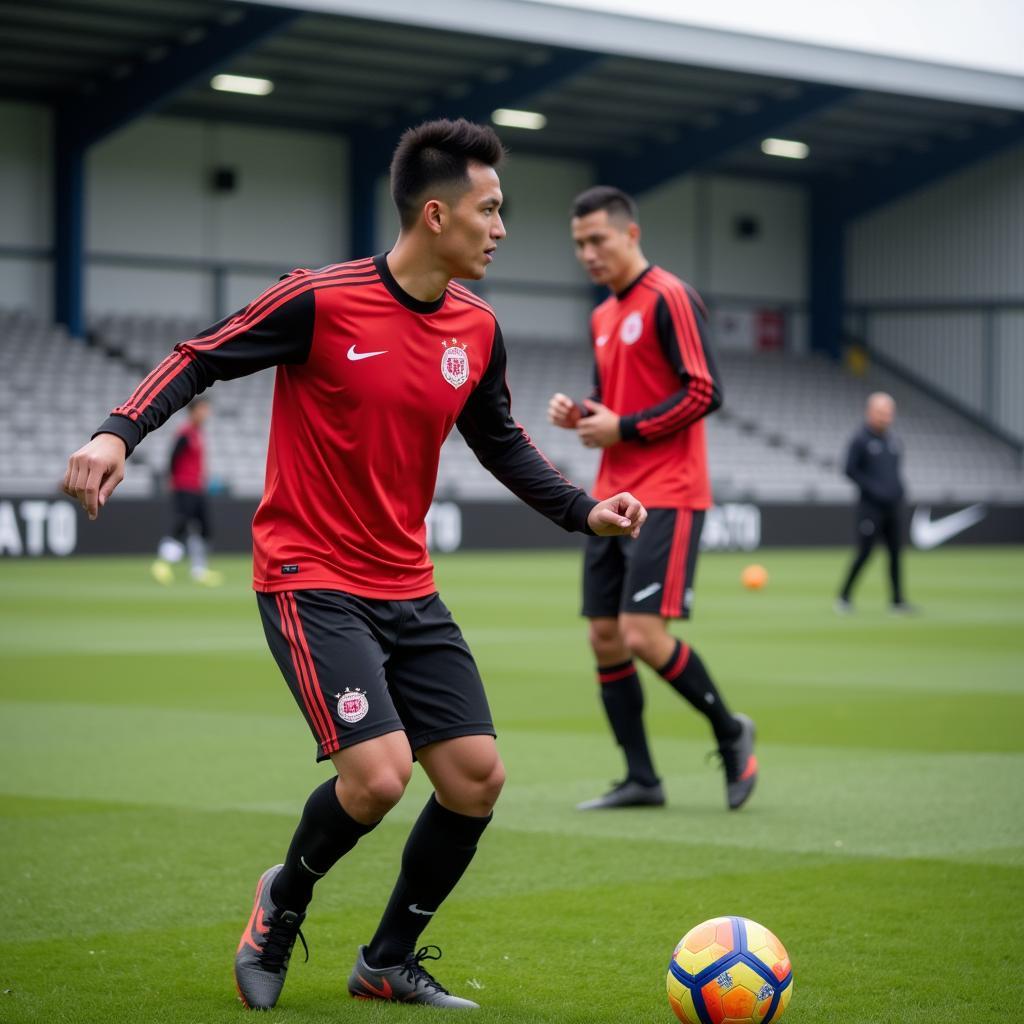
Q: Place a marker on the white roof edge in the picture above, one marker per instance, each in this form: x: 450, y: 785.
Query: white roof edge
x: 620, y: 35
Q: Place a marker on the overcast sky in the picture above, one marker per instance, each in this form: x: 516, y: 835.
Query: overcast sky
x: 985, y: 34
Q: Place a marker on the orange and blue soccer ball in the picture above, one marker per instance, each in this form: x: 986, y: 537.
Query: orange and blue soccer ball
x: 729, y: 970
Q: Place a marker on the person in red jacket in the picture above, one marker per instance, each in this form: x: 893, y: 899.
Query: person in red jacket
x: 189, y: 505
x: 654, y: 382
x: 377, y: 361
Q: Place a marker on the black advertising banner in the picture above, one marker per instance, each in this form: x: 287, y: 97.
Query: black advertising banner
x: 33, y: 527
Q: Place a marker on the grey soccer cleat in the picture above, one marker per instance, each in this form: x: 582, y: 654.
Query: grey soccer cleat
x: 409, y: 982
x: 903, y: 608
x: 626, y: 794
x: 261, y: 962
x: 740, y: 764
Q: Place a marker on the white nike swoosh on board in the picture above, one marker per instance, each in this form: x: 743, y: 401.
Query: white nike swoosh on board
x: 425, y: 913
x: 927, y: 533
x: 355, y: 356
x: 652, y: 588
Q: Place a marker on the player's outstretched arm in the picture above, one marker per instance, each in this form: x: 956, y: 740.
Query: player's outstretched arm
x: 275, y: 328
x: 94, y: 471
x: 505, y: 450
x: 563, y: 411
x: 617, y: 516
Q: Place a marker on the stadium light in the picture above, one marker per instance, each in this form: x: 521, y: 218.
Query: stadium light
x: 519, y: 119
x: 785, y: 147
x: 243, y: 84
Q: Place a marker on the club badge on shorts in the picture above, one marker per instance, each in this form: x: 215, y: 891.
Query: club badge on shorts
x: 454, y: 363
x: 352, y: 706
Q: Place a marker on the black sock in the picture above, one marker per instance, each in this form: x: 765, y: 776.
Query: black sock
x: 325, y: 834
x: 437, y: 853
x: 623, y: 700
x: 686, y: 674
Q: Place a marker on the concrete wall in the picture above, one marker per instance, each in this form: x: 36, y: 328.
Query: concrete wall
x: 155, y: 224
x: 26, y: 220
x: 961, y: 243
x: 150, y: 199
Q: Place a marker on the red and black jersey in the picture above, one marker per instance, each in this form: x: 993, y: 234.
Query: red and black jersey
x: 653, y: 366
x: 370, y: 382
x: 188, y: 460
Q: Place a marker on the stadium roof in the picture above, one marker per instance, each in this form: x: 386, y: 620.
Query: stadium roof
x: 622, y: 92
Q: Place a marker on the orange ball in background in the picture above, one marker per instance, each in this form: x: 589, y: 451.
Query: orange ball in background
x: 754, y: 577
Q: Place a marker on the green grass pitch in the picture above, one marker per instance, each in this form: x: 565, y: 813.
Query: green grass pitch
x: 152, y: 764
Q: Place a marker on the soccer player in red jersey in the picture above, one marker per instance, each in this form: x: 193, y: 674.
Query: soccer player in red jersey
x: 655, y: 380
x: 188, y: 499
x: 377, y: 360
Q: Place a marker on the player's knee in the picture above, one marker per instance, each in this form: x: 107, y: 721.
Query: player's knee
x: 604, y: 638
x: 484, y: 785
x: 383, y: 788
x: 477, y: 789
x: 640, y: 642
x: 492, y: 786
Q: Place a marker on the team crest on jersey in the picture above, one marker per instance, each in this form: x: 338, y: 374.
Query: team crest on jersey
x: 454, y: 363
x: 352, y: 706
x: 631, y: 329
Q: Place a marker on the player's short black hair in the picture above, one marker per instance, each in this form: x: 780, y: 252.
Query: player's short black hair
x: 606, y: 197
x: 438, y: 153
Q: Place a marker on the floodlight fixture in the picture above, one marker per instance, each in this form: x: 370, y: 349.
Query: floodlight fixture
x: 788, y: 148
x: 528, y: 119
x: 243, y: 84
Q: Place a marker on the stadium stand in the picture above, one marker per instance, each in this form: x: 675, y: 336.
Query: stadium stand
x: 779, y: 437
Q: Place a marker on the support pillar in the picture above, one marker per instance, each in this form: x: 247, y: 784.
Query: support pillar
x: 826, y: 276
x: 69, y: 232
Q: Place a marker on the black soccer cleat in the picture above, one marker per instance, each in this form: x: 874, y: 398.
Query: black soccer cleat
x: 265, y: 948
x: 903, y: 608
x: 740, y: 764
x: 627, y: 793
x: 408, y: 982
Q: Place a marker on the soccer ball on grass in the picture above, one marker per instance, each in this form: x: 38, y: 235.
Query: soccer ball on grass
x: 729, y: 970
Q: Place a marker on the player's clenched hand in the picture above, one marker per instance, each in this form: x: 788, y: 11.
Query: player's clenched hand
x: 617, y: 516
x: 94, y: 471
x: 563, y: 411
x: 600, y: 428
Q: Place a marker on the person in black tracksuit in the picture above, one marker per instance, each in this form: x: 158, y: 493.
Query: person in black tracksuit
x: 873, y: 464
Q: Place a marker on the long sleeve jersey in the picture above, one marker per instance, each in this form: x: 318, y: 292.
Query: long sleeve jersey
x: 873, y: 464
x: 654, y: 367
x: 370, y: 382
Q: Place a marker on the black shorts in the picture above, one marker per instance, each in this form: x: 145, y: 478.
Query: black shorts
x: 652, y: 575
x: 190, y: 507
x: 360, y: 668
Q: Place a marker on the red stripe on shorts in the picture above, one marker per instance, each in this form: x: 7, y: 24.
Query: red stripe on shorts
x: 678, y: 555
x: 305, y: 672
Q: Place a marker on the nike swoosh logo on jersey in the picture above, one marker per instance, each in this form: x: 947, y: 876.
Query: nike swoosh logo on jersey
x: 927, y: 533
x: 647, y: 591
x: 356, y: 356
x: 416, y: 910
